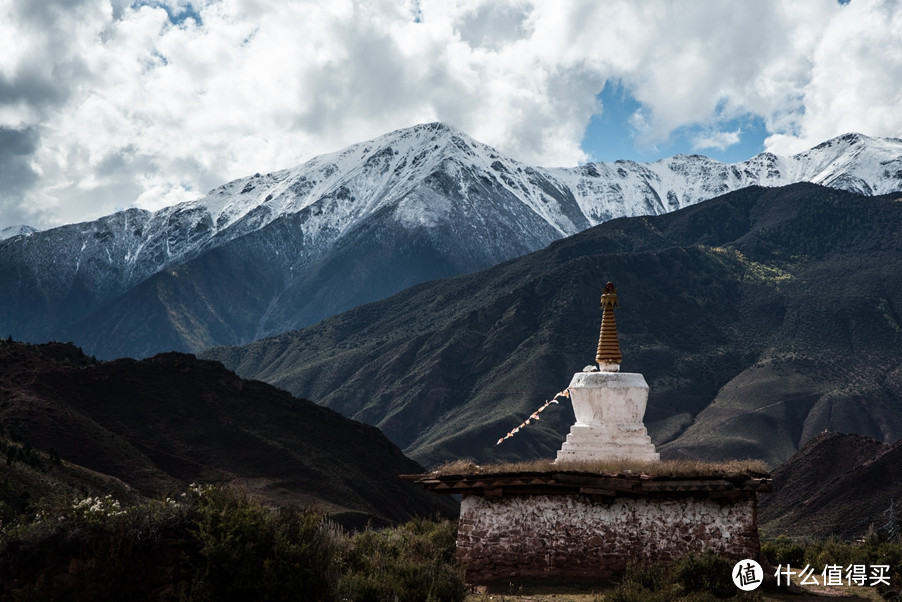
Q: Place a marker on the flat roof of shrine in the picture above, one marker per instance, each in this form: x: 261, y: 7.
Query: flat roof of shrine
x: 710, y: 480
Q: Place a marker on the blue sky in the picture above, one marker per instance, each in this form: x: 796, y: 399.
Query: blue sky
x: 107, y: 104
x: 612, y: 133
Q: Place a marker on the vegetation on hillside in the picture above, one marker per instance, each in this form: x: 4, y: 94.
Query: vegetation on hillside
x: 881, y: 547
x: 214, y: 543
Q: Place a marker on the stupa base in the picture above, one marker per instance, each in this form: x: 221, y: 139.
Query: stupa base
x: 606, y: 442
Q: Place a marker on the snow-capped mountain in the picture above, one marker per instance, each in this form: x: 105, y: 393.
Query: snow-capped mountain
x: 10, y: 231
x: 268, y: 253
x: 852, y: 162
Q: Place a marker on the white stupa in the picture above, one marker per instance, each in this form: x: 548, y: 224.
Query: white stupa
x: 609, y: 404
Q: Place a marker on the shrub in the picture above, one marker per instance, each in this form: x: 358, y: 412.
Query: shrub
x: 651, y: 577
x: 834, y: 551
x: 114, y: 549
x: 636, y: 592
x: 644, y: 583
x: 218, y: 544
x: 705, y: 572
x: 238, y: 549
x: 784, y: 552
x: 838, y: 552
x: 818, y: 554
x: 693, y: 578
x: 413, y: 562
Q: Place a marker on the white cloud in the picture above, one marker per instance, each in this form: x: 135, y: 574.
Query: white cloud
x: 718, y: 140
x: 855, y: 78
x: 110, y: 103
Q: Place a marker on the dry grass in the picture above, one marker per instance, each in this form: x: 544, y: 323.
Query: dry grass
x: 664, y: 468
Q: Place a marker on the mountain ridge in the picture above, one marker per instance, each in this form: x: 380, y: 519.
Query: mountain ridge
x: 737, y: 310
x: 350, y: 227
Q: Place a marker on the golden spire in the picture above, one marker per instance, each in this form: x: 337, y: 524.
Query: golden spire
x: 608, y: 356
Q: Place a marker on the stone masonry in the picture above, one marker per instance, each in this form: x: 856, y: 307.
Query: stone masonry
x: 574, y: 539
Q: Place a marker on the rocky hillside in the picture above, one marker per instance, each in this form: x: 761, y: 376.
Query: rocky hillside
x: 837, y: 484
x: 759, y: 318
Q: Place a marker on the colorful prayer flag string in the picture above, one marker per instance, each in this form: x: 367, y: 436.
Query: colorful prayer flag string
x: 535, y: 415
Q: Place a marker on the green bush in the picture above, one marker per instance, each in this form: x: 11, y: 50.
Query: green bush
x: 784, y: 552
x: 644, y: 583
x: 834, y: 551
x: 843, y: 553
x: 413, y: 562
x: 218, y: 544
x: 705, y: 572
x: 636, y: 592
x: 693, y: 578
x: 818, y: 554
x: 238, y: 549
x: 114, y: 549
x: 648, y: 576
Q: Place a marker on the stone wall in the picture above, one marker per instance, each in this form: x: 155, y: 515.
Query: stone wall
x: 573, y: 538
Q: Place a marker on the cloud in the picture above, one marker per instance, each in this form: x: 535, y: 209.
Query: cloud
x: 16, y: 173
x: 114, y: 103
x: 855, y: 79
x: 718, y: 140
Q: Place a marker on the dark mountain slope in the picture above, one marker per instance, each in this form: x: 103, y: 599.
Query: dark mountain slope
x: 758, y: 318
x: 837, y: 484
x: 268, y: 253
x: 262, y: 283
x: 161, y: 423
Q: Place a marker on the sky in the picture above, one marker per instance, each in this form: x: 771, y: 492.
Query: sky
x: 110, y: 104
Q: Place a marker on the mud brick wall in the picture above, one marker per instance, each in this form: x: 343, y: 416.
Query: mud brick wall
x: 573, y: 538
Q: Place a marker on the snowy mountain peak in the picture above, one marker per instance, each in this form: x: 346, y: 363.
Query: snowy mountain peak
x: 425, y: 195
x: 849, y: 139
x: 412, y: 170
x: 383, y: 171
x: 855, y: 143
x: 10, y: 231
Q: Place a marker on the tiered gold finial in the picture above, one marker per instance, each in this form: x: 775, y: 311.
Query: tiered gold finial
x: 608, y: 356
